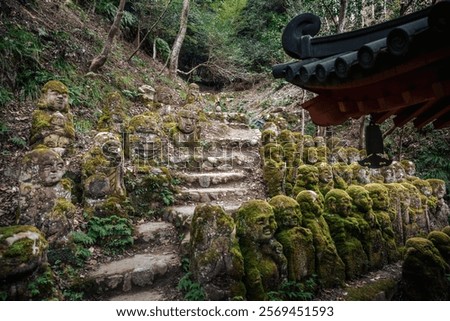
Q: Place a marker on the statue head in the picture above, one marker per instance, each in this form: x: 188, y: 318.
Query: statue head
x: 423, y: 186
x: 337, y: 201
x: 42, y: 165
x: 311, y: 204
x: 361, y: 174
x: 287, y: 212
x: 313, y: 156
x: 187, y: 121
x: 55, y: 96
x: 353, y: 155
x: 399, y: 171
x: 307, y: 175
x: 409, y: 166
x: 273, y: 152
x: 308, y: 141
x: 361, y: 198
x: 319, y: 141
x: 325, y: 172
x: 388, y: 173
x: 379, y: 195
x: 256, y: 221
x: 438, y: 187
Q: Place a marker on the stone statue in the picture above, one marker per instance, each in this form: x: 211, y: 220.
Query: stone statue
x: 187, y: 132
x: 380, y: 197
x: 114, y: 117
x: 369, y: 229
x: 423, y: 259
x: 264, y: 262
x: 274, y: 169
x: 410, y: 170
x: 297, y: 241
x: 23, y: 261
x: 353, y: 155
x: 329, y: 266
x: 344, y: 231
x: 416, y: 219
x: 361, y: 174
x: 440, y: 212
x: 52, y: 121
x: 216, y: 261
x: 45, y: 197
x: 145, y: 146
x: 307, y: 179
x: 388, y: 173
x: 342, y: 175
x: 102, y: 173
x: 326, y: 182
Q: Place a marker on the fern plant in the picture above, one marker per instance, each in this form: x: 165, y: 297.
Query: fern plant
x: 112, y: 233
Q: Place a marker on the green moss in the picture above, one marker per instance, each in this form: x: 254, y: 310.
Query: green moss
x: 371, y: 291
x: 442, y: 242
x: 446, y: 230
x: 55, y: 85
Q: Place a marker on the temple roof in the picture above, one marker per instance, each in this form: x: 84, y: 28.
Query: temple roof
x: 398, y: 68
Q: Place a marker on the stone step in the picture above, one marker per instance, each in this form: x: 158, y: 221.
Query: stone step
x: 213, y: 194
x: 141, y: 270
x: 185, y: 212
x: 156, y: 233
x: 207, y: 179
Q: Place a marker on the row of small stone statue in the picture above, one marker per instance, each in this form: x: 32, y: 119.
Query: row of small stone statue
x: 337, y: 237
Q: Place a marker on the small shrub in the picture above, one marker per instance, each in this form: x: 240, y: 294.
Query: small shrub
x: 193, y: 291
x: 112, y: 233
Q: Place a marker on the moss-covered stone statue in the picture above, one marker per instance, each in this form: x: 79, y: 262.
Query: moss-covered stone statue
x: 265, y: 265
x: 323, y: 151
x: 274, y: 169
x: 353, y: 155
x: 52, y: 121
x: 384, y: 214
x: 45, y: 197
x: 439, y: 215
x: 145, y: 146
x: 24, y: 272
x: 361, y: 174
x: 399, y: 172
x: 442, y: 242
x: 429, y: 203
x: 307, y: 179
x: 329, y: 266
x: 344, y: 231
x: 410, y: 170
x: 326, y: 181
x: 376, y: 176
x: 423, y: 272
x: 399, y: 203
x: 414, y: 221
x: 297, y: 241
x: 293, y: 160
x: 187, y: 131
x: 103, y: 175
x: 216, y: 261
x: 114, y: 118
x: 342, y: 175
x: 369, y: 230
x: 388, y: 173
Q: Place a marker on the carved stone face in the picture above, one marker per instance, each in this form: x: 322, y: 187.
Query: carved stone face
x: 388, y: 174
x: 51, y: 169
x: 112, y: 150
x: 263, y: 226
x: 313, y: 157
x: 307, y: 175
x: 380, y: 198
x: 187, y: 122
x: 363, y: 201
x: 410, y: 168
x: 363, y: 175
x: 56, y: 100
x: 325, y: 173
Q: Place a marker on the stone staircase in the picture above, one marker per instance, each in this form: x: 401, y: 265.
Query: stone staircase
x: 228, y: 174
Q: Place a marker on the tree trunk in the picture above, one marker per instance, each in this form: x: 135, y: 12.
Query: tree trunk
x: 100, y: 60
x: 362, y: 133
x: 173, y: 65
x: 342, y: 16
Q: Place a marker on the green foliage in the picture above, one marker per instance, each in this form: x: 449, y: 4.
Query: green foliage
x: 5, y: 96
x: 295, y: 291
x: 193, y: 291
x: 112, y: 233
x: 18, y: 141
x: 3, y: 296
x: 83, y: 126
x: 41, y: 286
